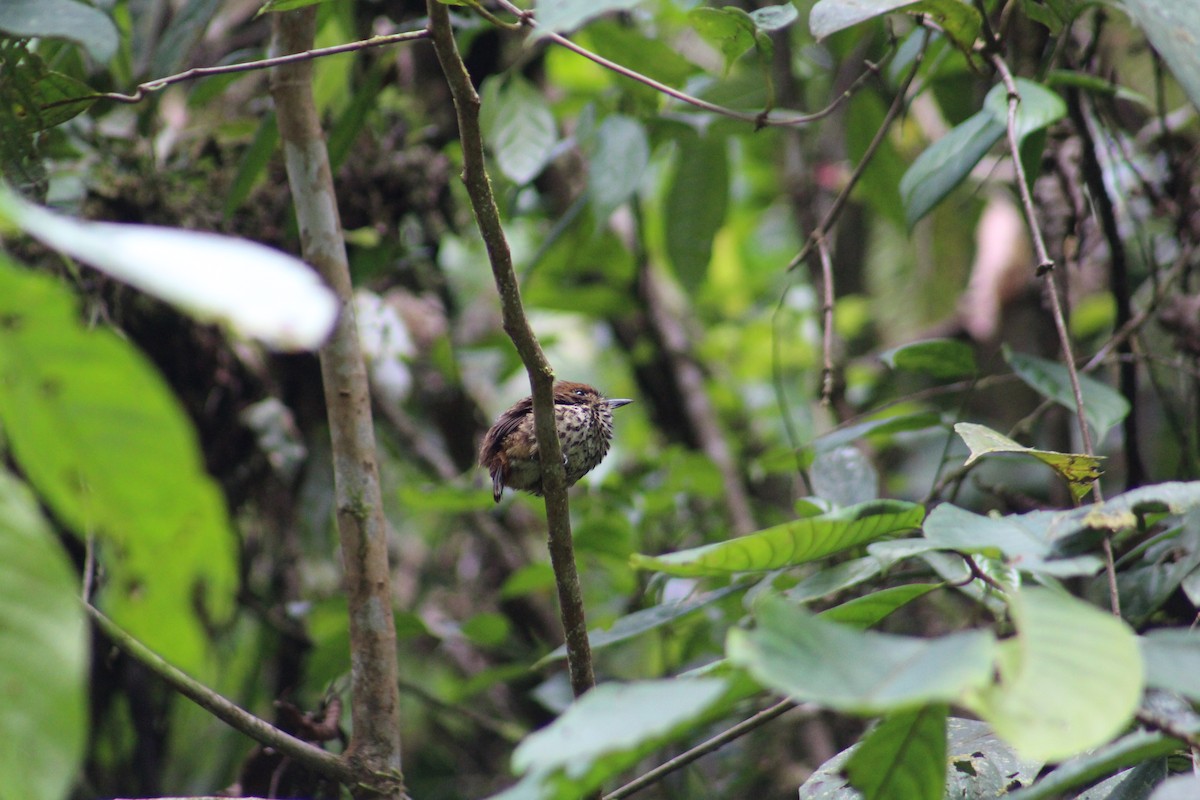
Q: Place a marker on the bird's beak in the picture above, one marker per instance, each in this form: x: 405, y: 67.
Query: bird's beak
x: 618, y: 403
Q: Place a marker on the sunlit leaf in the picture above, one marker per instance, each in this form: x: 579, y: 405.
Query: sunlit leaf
x: 616, y: 163
x: 1069, y: 680
x: 944, y: 359
x: 839, y: 667
x: 1103, y: 406
x: 258, y: 291
x: 791, y: 543
x: 1039, y: 107
x: 945, y: 163
x: 1079, y: 469
x: 904, y: 757
x: 519, y: 128
x: 43, y: 653
x: 108, y: 448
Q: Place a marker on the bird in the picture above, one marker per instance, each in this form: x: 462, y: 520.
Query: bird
x: 584, y: 421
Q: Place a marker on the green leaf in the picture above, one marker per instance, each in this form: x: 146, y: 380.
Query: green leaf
x: 1039, y: 107
x: 960, y: 21
x: 43, y: 653
x: 792, y: 543
x: 1173, y: 29
x: 869, y: 610
x: 838, y: 667
x: 615, y: 164
x: 487, y: 629
x: 108, y: 448
x: 52, y: 87
x: 1135, y: 748
x: 1103, y: 406
x: 944, y: 359
x: 1171, y: 657
x: 830, y: 580
x: 273, y: 6
x: 562, y: 16
x: 945, y: 163
x: 774, y: 18
x: 519, y: 128
x: 611, y: 728
x: 730, y: 30
x: 653, y: 57
x: 903, y: 758
x: 954, y: 528
x: 1079, y: 469
x: 644, y: 621
x: 61, y: 19
x: 1070, y: 679
x: 695, y: 207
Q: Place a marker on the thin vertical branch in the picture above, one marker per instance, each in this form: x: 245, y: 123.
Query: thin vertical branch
x: 1045, y: 270
x: 516, y: 325
x: 827, y: 382
x: 374, y: 673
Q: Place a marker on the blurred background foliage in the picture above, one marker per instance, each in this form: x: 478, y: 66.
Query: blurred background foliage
x: 653, y: 241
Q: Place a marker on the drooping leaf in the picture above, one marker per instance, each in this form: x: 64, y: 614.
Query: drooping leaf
x: 107, y: 447
x: 610, y: 729
x: 1079, y: 469
x: 1103, y: 406
x: 697, y: 199
x: 616, y: 163
x: 904, y: 757
x: 944, y: 359
x: 839, y: 667
x: 61, y: 19
x: 1173, y: 29
x: 792, y: 543
x: 256, y: 290
x: 519, y: 128
x: 958, y: 19
x: 869, y: 610
x: 945, y: 163
x: 43, y: 653
x: 1070, y: 679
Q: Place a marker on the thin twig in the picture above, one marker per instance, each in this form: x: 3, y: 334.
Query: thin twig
x: 826, y: 321
x: 516, y: 325
x: 704, y: 748
x: 320, y: 761
x: 158, y: 84
x: 760, y: 119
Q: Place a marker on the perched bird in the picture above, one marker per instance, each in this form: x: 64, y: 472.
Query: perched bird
x: 584, y: 420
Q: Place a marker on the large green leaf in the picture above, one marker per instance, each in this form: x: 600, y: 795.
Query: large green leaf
x: 1171, y: 658
x: 608, y: 730
x: 562, y: 16
x: 1070, y: 679
x: 941, y: 358
x: 1079, y: 469
x: 904, y: 757
x: 61, y: 19
x: 108, y: 448
x: 1103, y: 406
x: 616, y: 163
x: 1039, y: 107
x: 945, y: 163
x: 518, y: 127
x: 871, y: 609
x: 1173, y: 28
x: 792, y: 543
x: 43, y: 654
x: 879, y: 426
x: 842, y: 668
x: 697, y: 199
x: 958, y: 19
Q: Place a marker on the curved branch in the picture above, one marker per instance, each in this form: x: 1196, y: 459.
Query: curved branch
x: 516, y: 325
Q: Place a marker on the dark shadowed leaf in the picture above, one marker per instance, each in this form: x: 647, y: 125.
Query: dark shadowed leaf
x: 1103, y: 406
x: 697, y: 199
x: 945, y: 163
x: 944, y: 359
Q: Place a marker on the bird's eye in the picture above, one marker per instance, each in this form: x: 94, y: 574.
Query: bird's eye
x: 580, y: 392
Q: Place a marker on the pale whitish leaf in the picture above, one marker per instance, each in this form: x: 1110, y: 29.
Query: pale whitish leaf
x: 960, y: 21
x: 839, y: 667
x: 43, y: 653
x: 1079, y: 469
x: 792, y: 543
x: 616, y: 164
x: 1179, y: 787
x: 61, y: 19
x: 1069, y: 680
x: 1103, y: 406
x: 520, y: 130
x: 257, y: 291
x: 904, y: 757
x: 562, y: 16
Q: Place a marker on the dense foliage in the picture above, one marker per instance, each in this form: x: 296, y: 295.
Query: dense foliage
x: 906, y: 294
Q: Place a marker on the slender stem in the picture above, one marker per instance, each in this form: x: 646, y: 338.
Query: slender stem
x: 362, y: 529
x: 704, y: 748
x: 158, y: 84
x: 516, y: 325
x: 827, y: 321
x: 320, y: 761
x: 761, y: 119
